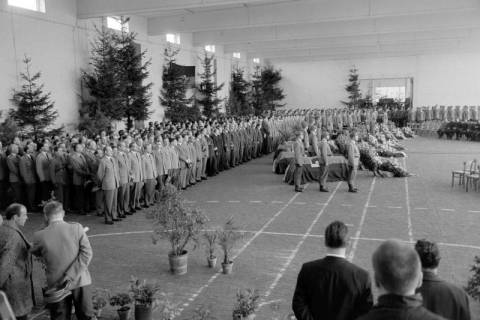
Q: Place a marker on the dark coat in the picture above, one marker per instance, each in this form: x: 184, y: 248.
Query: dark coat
x: 16, y: 269
x: 332, y: 288
x: 443, y: 298
x: 393, y: 307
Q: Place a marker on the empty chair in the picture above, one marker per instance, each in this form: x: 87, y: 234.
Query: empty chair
x: 460, y: 174
x: 472, y: 176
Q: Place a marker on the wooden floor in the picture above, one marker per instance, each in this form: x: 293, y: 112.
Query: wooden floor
x: 285, y: 229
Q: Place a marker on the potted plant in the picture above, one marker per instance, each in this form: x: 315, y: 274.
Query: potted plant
x: 145, y: 295
x: 211, y: 237
x: 179, y: 224
x: 100, y: 299
x: 122, y: 300
x: 473, y: 285
x: 246, y: 305
x: 227, y: 238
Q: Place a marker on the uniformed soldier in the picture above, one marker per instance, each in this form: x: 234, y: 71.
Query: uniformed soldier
x: 299, y: 151
x: 353, y: 160
x: 108, y: 176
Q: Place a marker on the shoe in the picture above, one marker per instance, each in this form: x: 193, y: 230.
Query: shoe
x: 122, y: 216
x: 324, y: 190
x: 129, y: 213
x: 138, y: 208
x: 117, y: 219
x: 298, y: 189
x: 354, y: 190
x: 109, y: 222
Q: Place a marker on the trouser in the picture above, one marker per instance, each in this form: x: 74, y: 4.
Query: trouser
x: 81, y: 298
x: 81, y: 198
x: 31, y: 190
x: 61, y: 194
x: 352, y: 174
x: 192, y: 171
x: 183, y: 178
x: 3, y: 194
x: 204, y: 167
x: 17, y: 192
x: 233, y: 158
x: 297, y: 175
x: 198, y: 174
x: 172, y: 177
x: 322, y: 179
x: 99, y: 202
x: 161, y: 181
x: 135, y: 190
x: 149, y: 192
x: 110, y: 200
x: 122, y: 203
x: 46, y: 189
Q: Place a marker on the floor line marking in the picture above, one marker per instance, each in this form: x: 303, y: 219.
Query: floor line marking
x: 447, y: 210
x: 234, y: 201
x: 255, y: 201
x: 277, y: 201
x: 351, y: 255
x: 212, y: 201
x: 247, y: 244
x: 420, y: 208
x: 292, y: 256
x: 118, y: 233
x: 394, y: 207
x: 473, y: 211
x: 407, y: 200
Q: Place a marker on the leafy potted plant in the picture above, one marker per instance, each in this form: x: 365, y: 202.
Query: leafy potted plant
x: 179, y: 224
x: 227, y: 238
x: 100, y: 299
x: 211, y: 237
x: 473, y: 285
x: 145, y: 295
x: 203, y: 313
x: 122, y: 300
x: 246, y: 305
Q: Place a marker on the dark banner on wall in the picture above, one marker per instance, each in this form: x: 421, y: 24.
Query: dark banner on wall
x: 188, y: 71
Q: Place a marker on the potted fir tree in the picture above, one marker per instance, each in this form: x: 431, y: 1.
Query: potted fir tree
x: 210, y: 237
x: 246, y: 305
x: 473, y: 285
x: 227, y: 238
x: 179, y: 224
x: 121, y: 300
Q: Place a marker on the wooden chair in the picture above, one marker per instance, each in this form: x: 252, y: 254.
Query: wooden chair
x: 472, y: 177
x: 460, y: 174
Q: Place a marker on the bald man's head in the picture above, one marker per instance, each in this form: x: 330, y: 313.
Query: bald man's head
x: 397, y: 267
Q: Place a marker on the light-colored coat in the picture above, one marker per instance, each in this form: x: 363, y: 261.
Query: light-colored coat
x: 124, y: 167
x: 353, y: 154
x: 299, y: 151
x: 107, y: 173
x: 79, y: 167
x: 42, y: 164
x: 66, y: 252
x: 148, y: 166
x: 136, y: 166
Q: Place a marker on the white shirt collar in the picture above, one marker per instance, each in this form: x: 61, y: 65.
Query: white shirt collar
x: 336, y: 255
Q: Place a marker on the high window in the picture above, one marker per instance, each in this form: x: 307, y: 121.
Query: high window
x: 236, y: 55
x: 115, y: 23
x: 173, y: 38
x: 34, y: 5
x: 210, y: 48
x: 256, y: 60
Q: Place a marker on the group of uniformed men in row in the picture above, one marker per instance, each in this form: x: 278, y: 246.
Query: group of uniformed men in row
x: 442, y: 113
x: 118, y: 174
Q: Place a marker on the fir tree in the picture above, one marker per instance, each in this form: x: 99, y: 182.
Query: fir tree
x: 353, y: 89
x: 173, y: 93
x: 238, y: 103
x: 35, y: 111
x: 208, y: 89
x: 473, y: 285
x: 135, y: 95
x: 272, y: 93
x: 103, y: 81
x: 256, y: 91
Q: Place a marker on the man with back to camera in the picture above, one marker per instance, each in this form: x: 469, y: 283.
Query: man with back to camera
x: 299, y: 151
x: 439, y: 296
x: 398, y: 274
x: 332, y: 287
x: 66, y: 252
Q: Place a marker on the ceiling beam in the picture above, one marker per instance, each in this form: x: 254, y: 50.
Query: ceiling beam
x: 387, y: 25
x: 294, y: 12
x: 99, y: 8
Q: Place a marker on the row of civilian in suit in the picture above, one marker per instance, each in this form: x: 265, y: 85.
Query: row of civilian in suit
x: 406, y: 279
x: 309, y: 145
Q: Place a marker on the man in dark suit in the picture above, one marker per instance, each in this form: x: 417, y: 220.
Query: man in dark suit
x: 439, y: 296
x: 332, y: 287
x: 398, y: 274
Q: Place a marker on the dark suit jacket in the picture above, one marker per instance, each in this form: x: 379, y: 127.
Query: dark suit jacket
x: 393, y: 307
x: 443, y: 298
x: 332, y: 288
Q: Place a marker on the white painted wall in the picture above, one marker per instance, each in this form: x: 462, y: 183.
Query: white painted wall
x: 448, y: 79
x: 59, y: 45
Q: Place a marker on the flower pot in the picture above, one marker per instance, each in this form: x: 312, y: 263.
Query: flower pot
x: 227, y: 267
x: 239, y: 317
x: 143, y: 312
x: 123, y: 313
x: 212, y: 262
x: 178, y: 264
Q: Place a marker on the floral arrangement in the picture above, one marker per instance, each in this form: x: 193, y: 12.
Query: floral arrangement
x: 247, y: 303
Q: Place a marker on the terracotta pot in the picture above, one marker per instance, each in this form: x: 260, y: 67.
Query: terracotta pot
x: 124, y: 313
x: 143, y: 312
x: 227, y: 267
x: 178, y: 264
x: 212, y: 262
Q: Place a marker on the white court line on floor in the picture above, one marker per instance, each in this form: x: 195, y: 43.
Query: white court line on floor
x: 351, y: 255
x: 407, y: 200
x: 212, y: 201
x: 473, y: 211
x: 245, y: 246
x: 277, y: 201
x: 297, y: 248
x: 234, y: 201
x: 394, y: 207
x: 420, y: 208
x: 449, y: 210
x: 255, y: 201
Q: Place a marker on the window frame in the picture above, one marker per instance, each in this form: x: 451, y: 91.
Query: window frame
x: 40, y: 5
